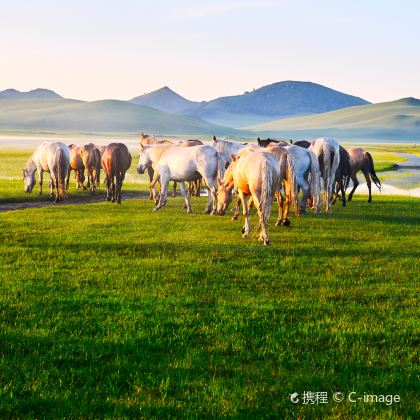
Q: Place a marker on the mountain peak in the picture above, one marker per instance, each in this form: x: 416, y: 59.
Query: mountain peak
x: 164, y: 99
x: 38, y: 93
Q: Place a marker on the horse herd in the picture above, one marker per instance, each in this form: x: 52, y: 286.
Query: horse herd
x: 256, y: 173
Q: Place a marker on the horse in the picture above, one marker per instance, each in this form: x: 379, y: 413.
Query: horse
x: 301, y: 143
x: 304, y: 175
x: 194, y: 187
x: 182, y: 164
x: 116, y: 160
x: 342, y: 176
x: 227, y: 148
x: 91, y: 157
x: 147, y: 139
x: 362, y: 161
x: 287, y: 165
x: 328, y: 153
x: 53, y: 158
x: 271, y: 142
x: 255, y: 174
x: 76, y: 165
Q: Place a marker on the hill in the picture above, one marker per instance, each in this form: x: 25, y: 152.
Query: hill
x: 32, y: 94
x: 388, y: 120
x: 108, y: 116
x: 164, y: 99
x: 280, y: 99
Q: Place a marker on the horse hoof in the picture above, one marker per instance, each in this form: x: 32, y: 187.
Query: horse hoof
x: 278, y: 223
x: 286, y: 222
x: 344, y: 204
x: 267, y: 242
x: 234, y: 218
x: 189, y: 211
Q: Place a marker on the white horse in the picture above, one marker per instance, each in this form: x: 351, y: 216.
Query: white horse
x: 307, y: 175
x: 53, y: 158
x: 328, y: 152
x: 174, y: 163
x: 227, y: 148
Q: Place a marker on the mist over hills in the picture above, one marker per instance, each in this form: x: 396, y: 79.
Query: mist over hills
x: 387, y: 120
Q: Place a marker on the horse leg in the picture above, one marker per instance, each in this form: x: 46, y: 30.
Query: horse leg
x: 41, y: 177
x: 68, y: 179
x: 108, y: 187
x: 155, y: 195
x: 236, y: 209
x: 151, y: 174
x: 355, y: 184
x: 174, y: 193
x: 369, y: 185
x: 303, y: 183
x: 245, y: 211
x: 279, y: 198
x: 343, y: 193
x: 164, y: 182
x: 118, y: 187
x: 185, y: 194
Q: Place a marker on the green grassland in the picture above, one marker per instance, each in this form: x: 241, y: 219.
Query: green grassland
x: 113, y: 310
x: 116, y: 311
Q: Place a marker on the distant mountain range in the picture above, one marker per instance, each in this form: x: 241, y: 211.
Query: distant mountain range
x: 277, y: 100
x: 282, y: 110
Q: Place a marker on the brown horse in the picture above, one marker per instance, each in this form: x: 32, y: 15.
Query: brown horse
x: 362, y: 161
x: 116, y: 160
x: 76, y: 165
x: 91, y: 157
x: 342, y: 176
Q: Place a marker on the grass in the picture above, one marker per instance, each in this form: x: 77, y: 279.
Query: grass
x: 115, y: 311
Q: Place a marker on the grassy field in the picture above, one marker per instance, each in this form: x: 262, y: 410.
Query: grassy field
x: 117, y: 311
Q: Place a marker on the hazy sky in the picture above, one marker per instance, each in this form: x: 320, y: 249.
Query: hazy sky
x: 97, y: 49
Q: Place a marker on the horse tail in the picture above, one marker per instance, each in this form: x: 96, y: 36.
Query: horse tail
x: 315, y: 179
x: 221, y: 165
x: 62, y: 171
x: 372, y: 172
x: 328, y: 155
x: 293, y: 184
x: 266, y: 192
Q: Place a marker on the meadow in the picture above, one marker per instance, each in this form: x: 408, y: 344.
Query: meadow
x: 115, y: 311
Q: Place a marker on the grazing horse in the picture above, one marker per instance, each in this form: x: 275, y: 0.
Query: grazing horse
x: 116, y: 160
x: 255, y: 174
x: 227, y: 148
x: 91, y: 157
x: 328, y: 152
x: 271, y: 142
x: 182, y: 164
x: 342, y: 176
x: 76, y: 165
x: 53, y: 158
x: 362, y: 161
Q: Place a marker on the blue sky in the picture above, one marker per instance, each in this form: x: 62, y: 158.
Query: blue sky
x: 97, y: 49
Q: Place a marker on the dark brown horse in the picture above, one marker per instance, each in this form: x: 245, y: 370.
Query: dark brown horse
x: 362, y: 161
x: 271, y: 142
x: 302, y: 143
x: 116, y: 160
x: 91, y: 157
x: 342, y: 175
x: 76, y: 165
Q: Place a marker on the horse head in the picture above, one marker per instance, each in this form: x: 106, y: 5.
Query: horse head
x: 144, y: 160
x: 28, y: 180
